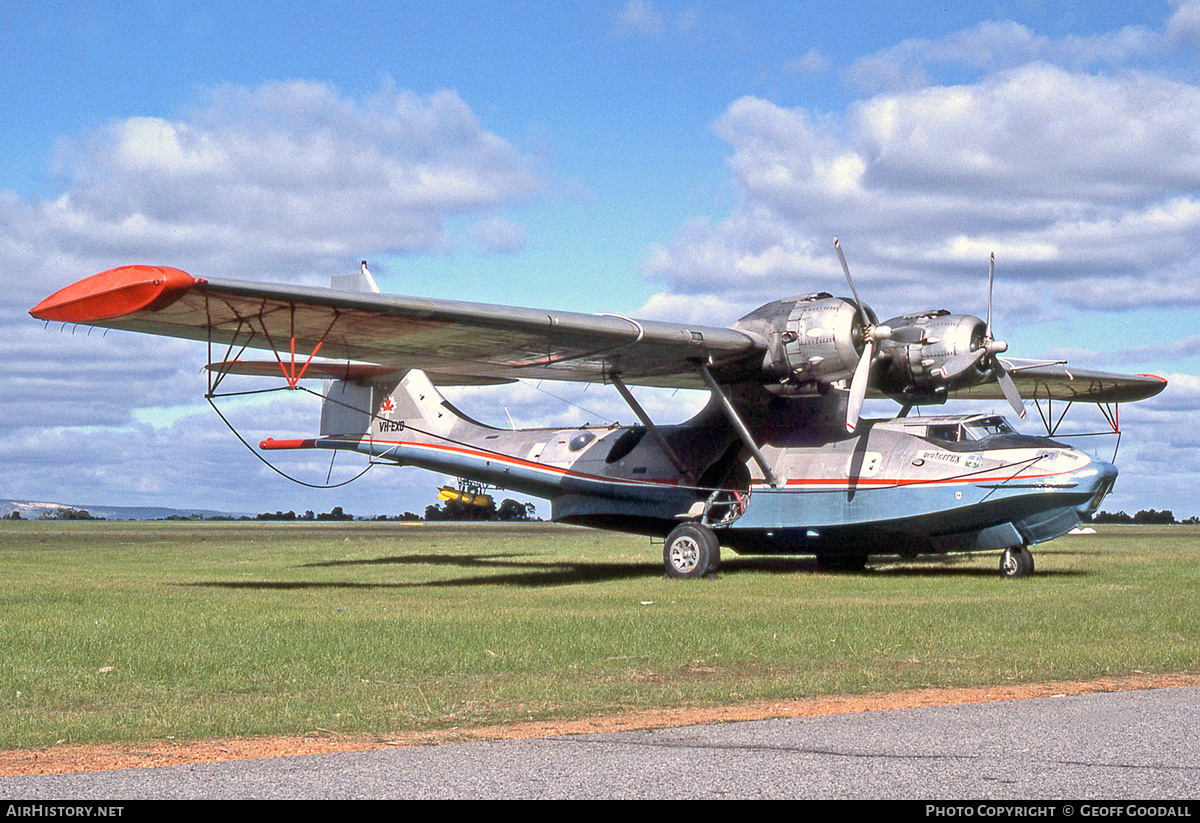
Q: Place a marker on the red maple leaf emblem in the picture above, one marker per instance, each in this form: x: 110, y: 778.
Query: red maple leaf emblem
x: 387, y: 406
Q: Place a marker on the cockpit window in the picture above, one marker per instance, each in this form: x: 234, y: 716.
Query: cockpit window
x: 975, y: 434
x: 971, y: 431
x: 988, y: 427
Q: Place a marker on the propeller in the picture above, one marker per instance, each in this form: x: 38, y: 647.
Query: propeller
x: 991, y: 347
x: 1002, y: 376
x: 872, y: 334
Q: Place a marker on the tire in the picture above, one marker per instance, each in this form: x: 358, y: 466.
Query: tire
x: 691, y: 550
x: 1016, y: 561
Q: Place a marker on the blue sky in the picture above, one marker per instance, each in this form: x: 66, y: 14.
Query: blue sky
x: 651, y: 158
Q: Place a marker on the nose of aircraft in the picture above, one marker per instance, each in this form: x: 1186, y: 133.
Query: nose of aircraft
x: 1099, y: 478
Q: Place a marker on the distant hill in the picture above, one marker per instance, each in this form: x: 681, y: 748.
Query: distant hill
x: 32, y: 510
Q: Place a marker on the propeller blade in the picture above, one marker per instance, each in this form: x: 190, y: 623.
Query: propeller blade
x: 858, y: 386
x: 862, y: 311
x: 994, y: 347
x: 991, y: 275
x: 958, y: 364
x: 907, y: 334
x: 1009, y: 388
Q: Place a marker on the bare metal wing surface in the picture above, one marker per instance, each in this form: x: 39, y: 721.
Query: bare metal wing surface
x: 465, y: 342
x: 1038, y: 380
x: 461, y: 342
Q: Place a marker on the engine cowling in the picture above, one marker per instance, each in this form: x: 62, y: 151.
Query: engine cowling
x: 920, y: 368
x: 816, y: 338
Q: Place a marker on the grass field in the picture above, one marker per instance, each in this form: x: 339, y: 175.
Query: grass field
x: 145, y: 631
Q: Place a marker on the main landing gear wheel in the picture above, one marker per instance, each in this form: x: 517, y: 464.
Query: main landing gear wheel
x: 1017, y: 561
x: 691, y: 550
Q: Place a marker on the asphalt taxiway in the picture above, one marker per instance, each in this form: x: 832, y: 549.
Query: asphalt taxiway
x: 1138, y: 745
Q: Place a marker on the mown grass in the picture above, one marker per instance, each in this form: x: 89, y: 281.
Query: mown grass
x: 138, y: 631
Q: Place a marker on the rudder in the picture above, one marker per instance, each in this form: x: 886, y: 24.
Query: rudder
x: 383, y: 405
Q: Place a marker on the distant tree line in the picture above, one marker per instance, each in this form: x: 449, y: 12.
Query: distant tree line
x: 1144, y: 517
x: 509, y: 510
x: 335, y: 513
x: 66, y: 514
x: 55, y: 514
x: 451, y: 510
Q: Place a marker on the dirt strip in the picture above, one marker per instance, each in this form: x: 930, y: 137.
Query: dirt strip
x: 68, y: 759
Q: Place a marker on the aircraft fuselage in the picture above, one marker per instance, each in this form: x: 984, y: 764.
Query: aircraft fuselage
x: 899, y: 486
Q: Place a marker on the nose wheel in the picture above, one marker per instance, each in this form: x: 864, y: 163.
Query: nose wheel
x: 1016, y: 561
x: 691, y: 550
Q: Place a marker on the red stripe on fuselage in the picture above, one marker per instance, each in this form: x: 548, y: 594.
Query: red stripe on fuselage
x: 834, y: 483
x: 517, y: 461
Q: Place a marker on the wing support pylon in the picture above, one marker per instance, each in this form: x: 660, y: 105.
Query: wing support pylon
x: 1110, y: 411
x: 736, y: 420
x: 292, y: 369
x: 652, y: 428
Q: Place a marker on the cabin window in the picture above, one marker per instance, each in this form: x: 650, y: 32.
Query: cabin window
x: 626, y: 443
x: 947, y: 434
x: 580, y: 440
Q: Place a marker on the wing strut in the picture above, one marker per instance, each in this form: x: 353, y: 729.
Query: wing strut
x: 650, y: 427
x: 738, y: 425
x: 1048, y: 417
x: 290, y: 374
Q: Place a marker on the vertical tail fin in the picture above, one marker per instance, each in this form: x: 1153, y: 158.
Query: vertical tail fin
x: 383, y: 404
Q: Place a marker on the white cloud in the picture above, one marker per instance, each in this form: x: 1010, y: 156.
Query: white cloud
x: 1083, y: 185
x: 149, y: 143
x: 291, y: 175
x: 645, y: 20
x: 555, y: 404
x: 1062, y: 138
x: 702, y: 309
x: 58, y: 375
x: 640, y: 18
x: 994, y: 46
x: 813, y: 62
x: 1184, y: 23
x: 277, y: 183
x: 272, y: 183
x: 497, y: 235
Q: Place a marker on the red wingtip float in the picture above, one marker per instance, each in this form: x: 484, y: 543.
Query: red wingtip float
x: 115, y: 293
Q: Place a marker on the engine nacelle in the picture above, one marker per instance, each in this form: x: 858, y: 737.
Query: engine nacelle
x: 816, y: 338
x: 916, y: 368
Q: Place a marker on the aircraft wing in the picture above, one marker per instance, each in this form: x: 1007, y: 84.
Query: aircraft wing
x: 446, y: 337
x: 1037, y: 379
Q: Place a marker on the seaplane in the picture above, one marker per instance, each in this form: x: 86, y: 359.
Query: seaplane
x: 780, y: 461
